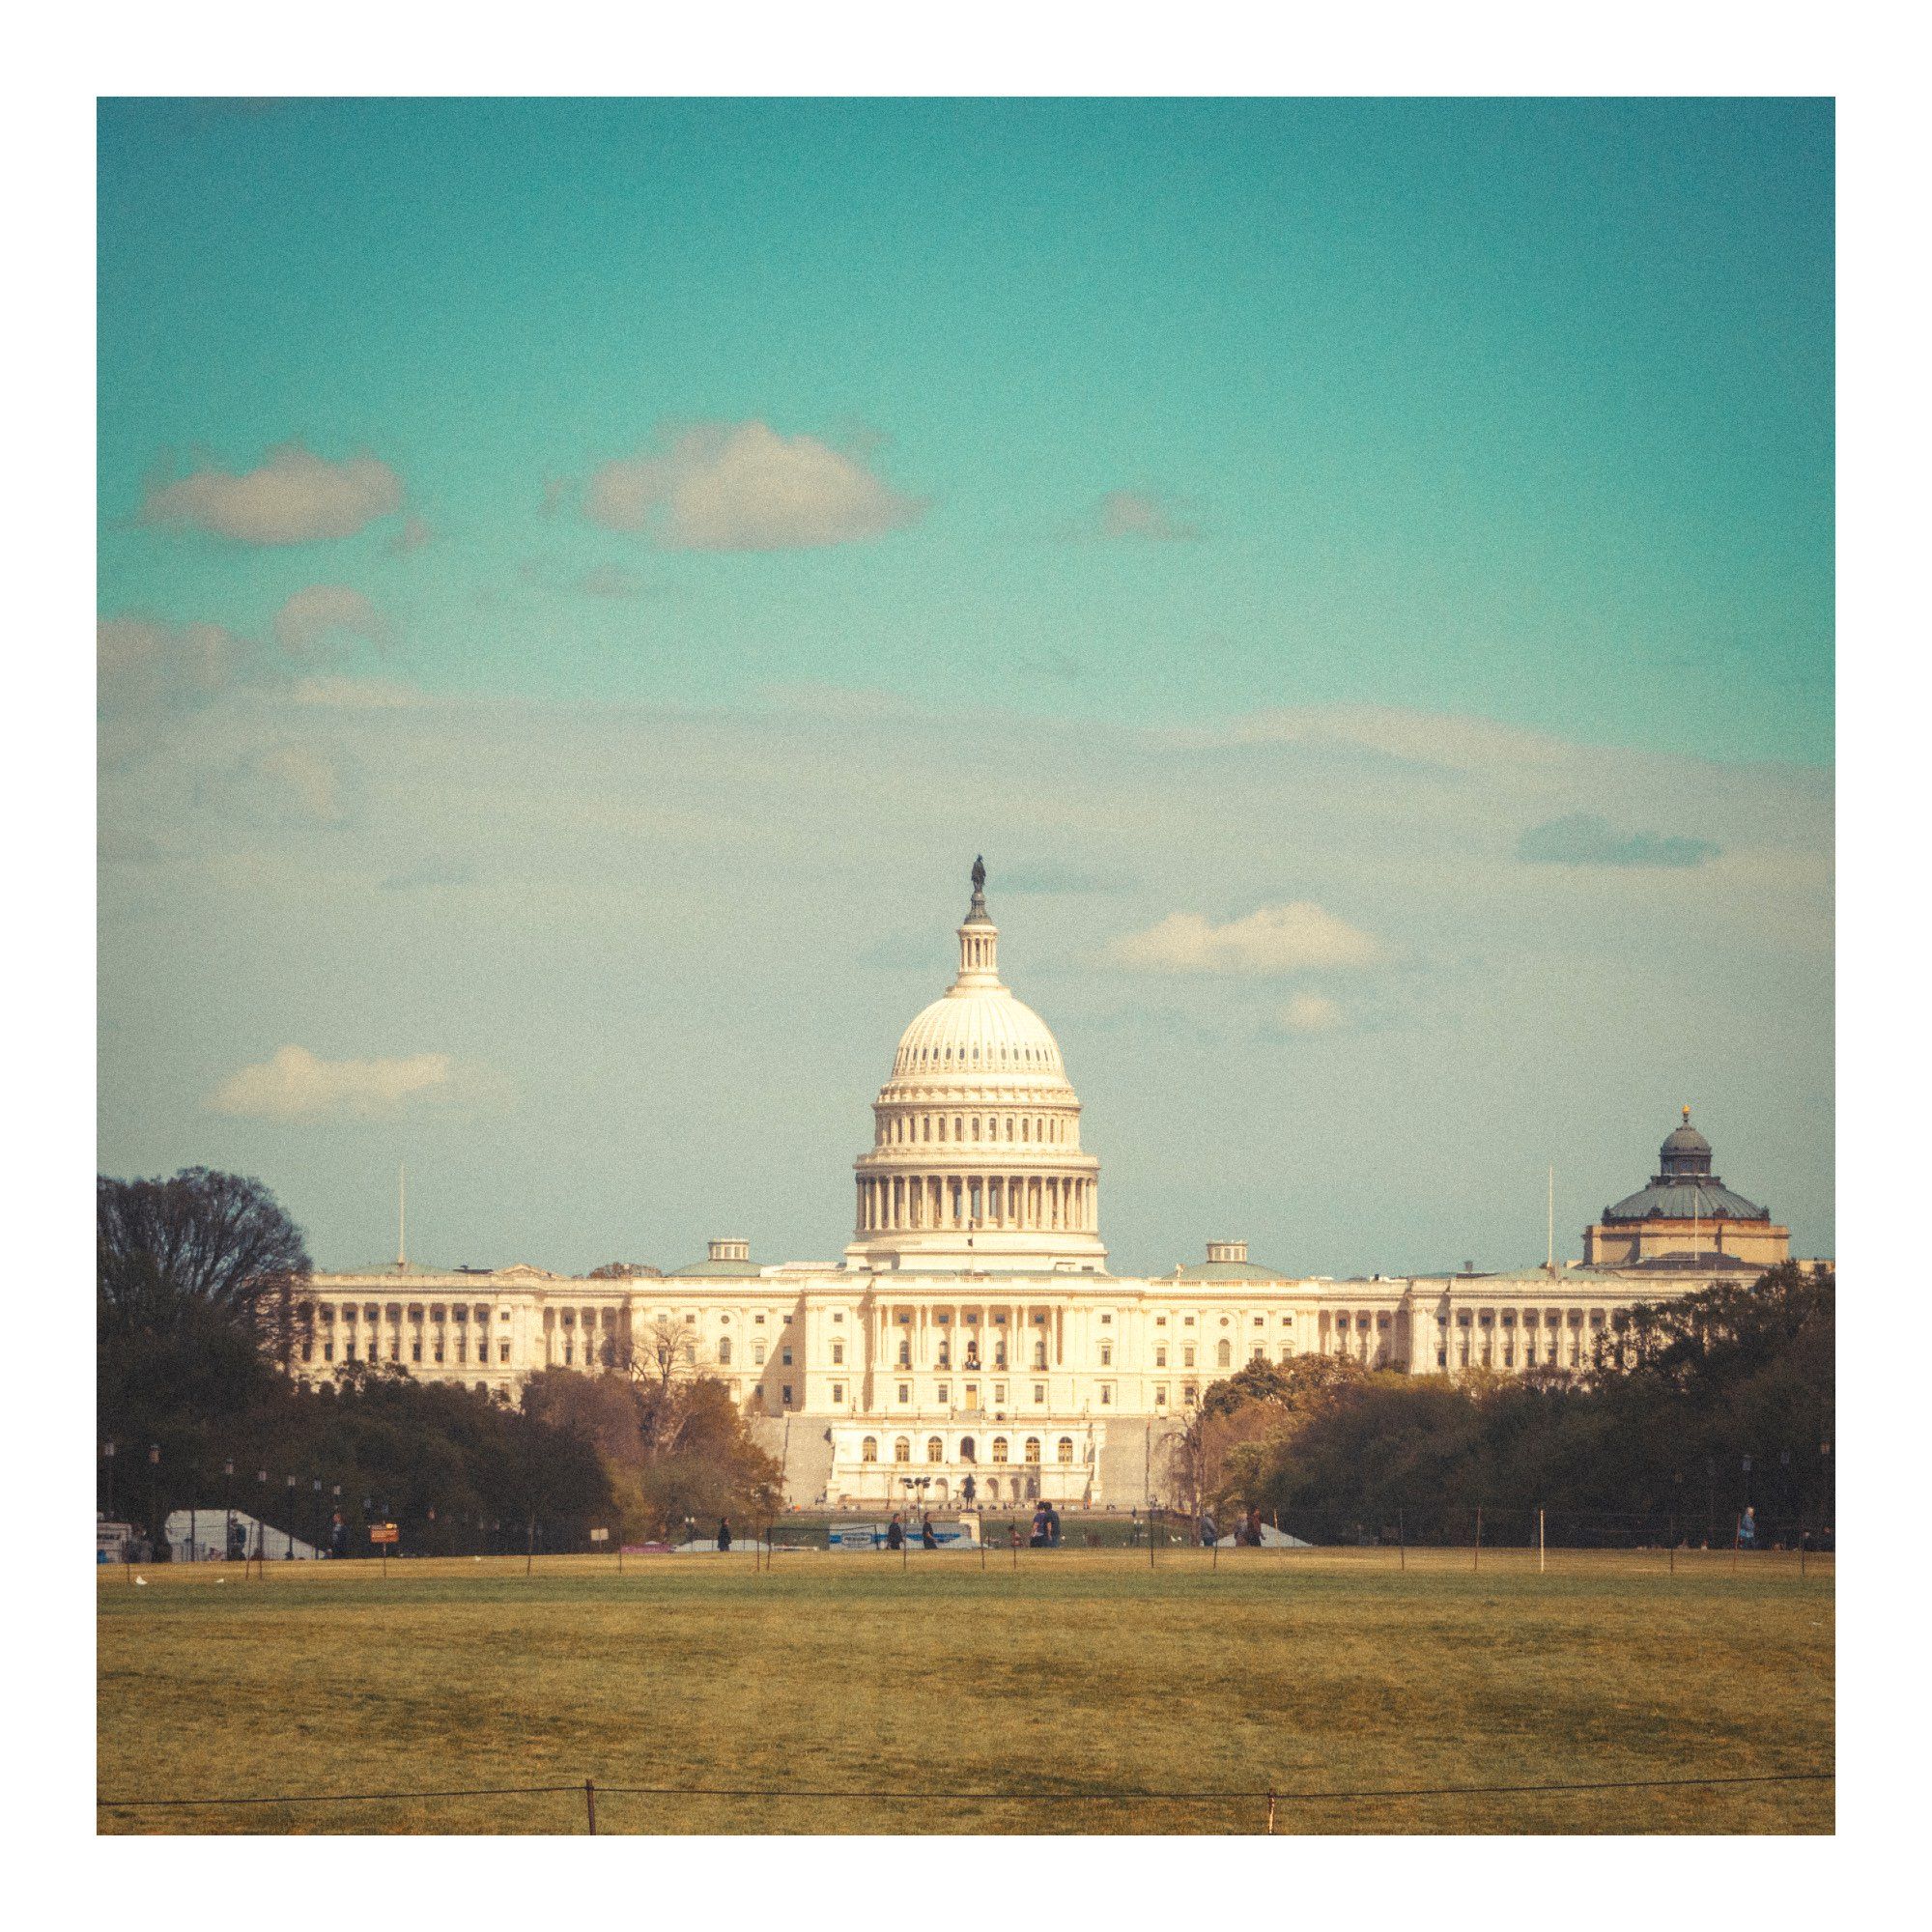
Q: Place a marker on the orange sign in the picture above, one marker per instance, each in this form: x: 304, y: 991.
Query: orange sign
x: 383, y: 1532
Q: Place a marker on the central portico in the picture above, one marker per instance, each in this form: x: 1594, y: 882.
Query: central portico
x: 975, y: 1162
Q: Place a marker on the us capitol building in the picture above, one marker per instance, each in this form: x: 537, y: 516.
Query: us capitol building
x: 972, y: 1332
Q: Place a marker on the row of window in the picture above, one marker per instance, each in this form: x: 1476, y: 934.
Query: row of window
x: 374, y: 1352
x: 1034, y: 1130
x: 935, y: 1449
x: 328, y: 1313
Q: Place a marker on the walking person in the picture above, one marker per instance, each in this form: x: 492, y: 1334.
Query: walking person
x: 927, y: 1538
x: 896, y: 1533
x: 1052, y: 1527
x: 724, y: 1534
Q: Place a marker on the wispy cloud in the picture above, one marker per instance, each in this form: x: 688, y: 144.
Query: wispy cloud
x: 743, y: 486
x: 296, y: 1084
x: 314, y: 616
x: 146, y: 666
x: 1310, y: 1012
x: 1137, y: 516
x: 1582, y: 839
x: 294, y: 496
x: 1270, y: 942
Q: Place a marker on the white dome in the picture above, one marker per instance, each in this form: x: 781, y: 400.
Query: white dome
x: 978, y: 1032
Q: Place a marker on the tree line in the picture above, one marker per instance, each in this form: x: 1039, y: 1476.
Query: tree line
x: 1690, y: 1412
x: 199, y: 1314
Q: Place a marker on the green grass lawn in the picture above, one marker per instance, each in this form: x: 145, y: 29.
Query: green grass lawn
x: 1080, y: 1671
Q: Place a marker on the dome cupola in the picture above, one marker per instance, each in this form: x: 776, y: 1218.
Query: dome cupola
x: 976, y: 1161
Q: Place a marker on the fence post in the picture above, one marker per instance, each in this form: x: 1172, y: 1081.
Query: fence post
x: 1539, y: 1543
x: 1478, y: 1563
x: 1803, y: 1538
x: 1216, y: 1563
x: 1401, y: 1542
x: 590, y: 1805
x: 1270, y: 1818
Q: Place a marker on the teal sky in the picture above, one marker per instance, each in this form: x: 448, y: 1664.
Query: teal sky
x: 1393, y: 539
x: 1512, y: 407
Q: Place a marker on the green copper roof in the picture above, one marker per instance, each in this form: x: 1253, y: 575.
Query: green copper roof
x: 1228, y: 1271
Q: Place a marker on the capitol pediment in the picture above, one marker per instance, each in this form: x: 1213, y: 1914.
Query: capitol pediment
x: 524, y: 1271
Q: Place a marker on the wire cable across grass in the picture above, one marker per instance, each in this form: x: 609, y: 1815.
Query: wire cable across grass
x: 589, y: 1790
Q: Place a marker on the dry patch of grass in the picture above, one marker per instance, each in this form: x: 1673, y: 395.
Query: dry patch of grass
x: 1079, y: 1673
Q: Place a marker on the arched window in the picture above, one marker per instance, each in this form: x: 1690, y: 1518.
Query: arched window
x: 1224, y: 1354
x: 999, y: 1448
x: 942, y: 1126
x: 901, y: 1449
x: 1063, y: 1448
x: 868, y: 1449
x: 1026, y: 1131
x: 968, y: 1450
x: 935, y: 1449
x: 724, y: 1351
x: 1033, y: 1448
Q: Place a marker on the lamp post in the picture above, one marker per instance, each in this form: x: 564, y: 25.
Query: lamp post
x: 159, y: 1528
x: 315, y: 1482
x: 290, y: 1555
x: 228, y: 1498
x: 107, y: 1456
x: 262, y: 1516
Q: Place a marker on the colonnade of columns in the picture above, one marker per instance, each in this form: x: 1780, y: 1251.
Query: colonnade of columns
x: 1005, y: 1339
x: 968, y: 1200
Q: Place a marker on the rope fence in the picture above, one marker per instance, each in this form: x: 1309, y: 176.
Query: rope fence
x: 1274, y: 1800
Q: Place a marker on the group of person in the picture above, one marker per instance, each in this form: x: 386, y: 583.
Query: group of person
x: 1247, y: 1537
x: 1045, y: 1531
x: 897, y: 1533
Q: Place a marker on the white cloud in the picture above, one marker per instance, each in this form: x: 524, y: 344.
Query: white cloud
x: 1273, y: 940
x: 742, y: 486
x: 295, y: 1085
x: 1310, y: 1012
x: 295, y: 496
x: 311, y: 618
x: 1457, y: 743
x: 1139, y: 515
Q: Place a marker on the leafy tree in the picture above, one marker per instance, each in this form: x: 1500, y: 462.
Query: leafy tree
x: 169, y: 1254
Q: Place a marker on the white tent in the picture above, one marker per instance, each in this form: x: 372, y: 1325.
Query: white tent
x: 1272, y: 1538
